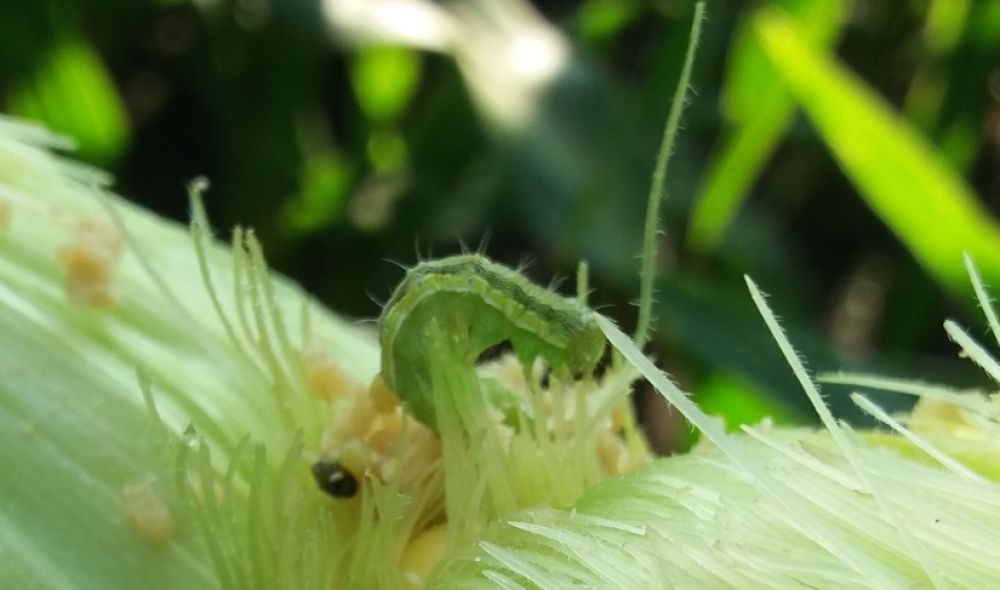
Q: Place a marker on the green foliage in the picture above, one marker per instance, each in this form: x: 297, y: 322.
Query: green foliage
x: 73, y: 94
x: 759, y: 109
x: 602, y: 20
x: 325, y: 181
x: 918, y: 195
x: 741, y: 403
x: 384, y: 79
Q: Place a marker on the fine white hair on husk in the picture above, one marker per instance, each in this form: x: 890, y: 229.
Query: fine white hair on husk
x: 79, y: 433
x: 778, y: 507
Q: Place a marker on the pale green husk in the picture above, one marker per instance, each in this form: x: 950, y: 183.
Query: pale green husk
x: 74, y: 428
x: 699, y: 521
x: 777, y: 508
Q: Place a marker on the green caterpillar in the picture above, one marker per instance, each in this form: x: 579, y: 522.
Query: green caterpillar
x: 480, y: 304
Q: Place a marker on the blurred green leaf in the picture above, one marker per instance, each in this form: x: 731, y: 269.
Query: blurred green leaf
x: 928, y: 93
x: 896, y: 171
x: 718, y: 325
x: 760, y: 107
x: 752, y: 83
x: 324, y: 185
x: 387, y: 151
x: 736, y: 400
x: 739, y: 402
x: 598, y: 20
x: 945, y: 21
x: 384, y: 78
x: 985, y: 28
x: 72, y: 93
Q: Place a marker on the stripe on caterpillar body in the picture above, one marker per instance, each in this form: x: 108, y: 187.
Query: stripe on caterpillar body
x: 479, y: 303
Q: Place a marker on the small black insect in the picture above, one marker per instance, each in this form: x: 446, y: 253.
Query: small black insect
x: 334, y: 479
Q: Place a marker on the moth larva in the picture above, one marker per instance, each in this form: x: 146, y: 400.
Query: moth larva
x: 479, y: 303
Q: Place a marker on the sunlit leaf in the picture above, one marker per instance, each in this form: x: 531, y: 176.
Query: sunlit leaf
x: 945, y: 21
x: 895, y: 170
x: 324, y: 183
x: 601, y: 19
x: 739, y: 402
x: 73, y: 93
x: 384, y: 78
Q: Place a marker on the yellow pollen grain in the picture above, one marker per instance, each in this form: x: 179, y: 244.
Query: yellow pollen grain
x: 90, y: 257
x: 384, y: 432
x: 612, y: 453
x: 356, y: 457
x: 147, y: 513
x: 323, y: 375
x: 423, y: 553
x: 383, y: 398
x: 357, y: 421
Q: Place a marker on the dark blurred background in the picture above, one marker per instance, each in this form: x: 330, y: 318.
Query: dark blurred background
x: 351, y: 132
